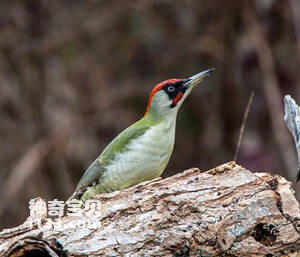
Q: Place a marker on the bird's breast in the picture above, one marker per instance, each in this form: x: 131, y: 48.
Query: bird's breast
x: 145, y: 157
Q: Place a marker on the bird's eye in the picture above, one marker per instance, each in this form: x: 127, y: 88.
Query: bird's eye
x: 171, y: 88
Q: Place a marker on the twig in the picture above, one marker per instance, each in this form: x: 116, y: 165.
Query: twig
x: 243, y: 125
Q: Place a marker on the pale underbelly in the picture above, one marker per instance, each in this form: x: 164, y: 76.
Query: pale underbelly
x: 133, y: 167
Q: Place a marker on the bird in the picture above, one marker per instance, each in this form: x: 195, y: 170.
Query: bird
x: 142, y: 151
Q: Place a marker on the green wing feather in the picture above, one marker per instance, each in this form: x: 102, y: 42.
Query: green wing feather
x: 95, y: 171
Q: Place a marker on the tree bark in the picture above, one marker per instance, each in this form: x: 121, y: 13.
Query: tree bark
x: 226, y: 211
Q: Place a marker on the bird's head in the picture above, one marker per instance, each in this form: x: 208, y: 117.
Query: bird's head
x: 167, y: 96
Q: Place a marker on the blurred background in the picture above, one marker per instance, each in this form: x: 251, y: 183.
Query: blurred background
x: 73, y: 74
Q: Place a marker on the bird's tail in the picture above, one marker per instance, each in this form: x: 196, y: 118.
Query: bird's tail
x: 75, y: 196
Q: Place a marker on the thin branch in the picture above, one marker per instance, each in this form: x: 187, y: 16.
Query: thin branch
x: 243, y: 125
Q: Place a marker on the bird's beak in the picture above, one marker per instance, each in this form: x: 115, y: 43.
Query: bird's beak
x: 194, y: 80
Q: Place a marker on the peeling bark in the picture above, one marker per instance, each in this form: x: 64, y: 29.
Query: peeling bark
x: 226, y: 211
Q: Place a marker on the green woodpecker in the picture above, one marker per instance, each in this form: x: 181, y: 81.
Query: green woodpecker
x: 142, y: 151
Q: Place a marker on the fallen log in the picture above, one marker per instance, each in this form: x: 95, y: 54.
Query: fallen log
x: 226, y: 211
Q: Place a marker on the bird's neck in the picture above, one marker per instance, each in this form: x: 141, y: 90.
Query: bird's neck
x: 155, y: 118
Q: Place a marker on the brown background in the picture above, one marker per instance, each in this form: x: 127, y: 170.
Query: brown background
x: 73, y: 74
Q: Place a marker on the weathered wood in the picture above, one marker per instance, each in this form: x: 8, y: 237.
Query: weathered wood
x: 292, y: 120
x: 226, y: 211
